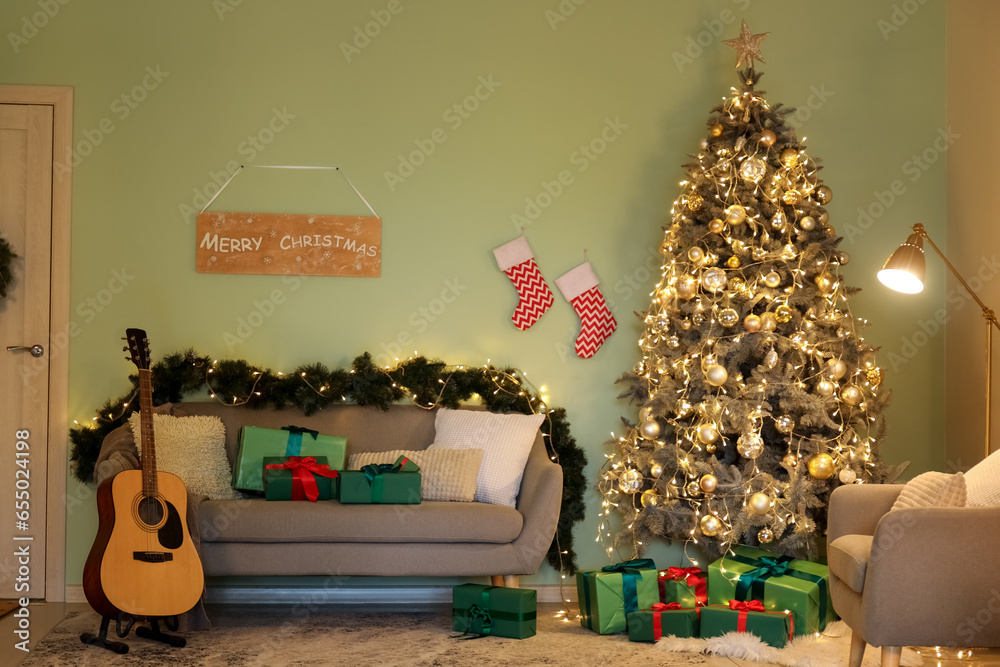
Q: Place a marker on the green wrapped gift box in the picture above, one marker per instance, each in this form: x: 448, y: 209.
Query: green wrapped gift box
x: 773, y: 627
x: 649, y: 625
x: 607, y: 595
x: 256, y: 443
x: 381, y: 483
x: 780, y: 582
x: 494, y: 611
x: 298, y: 478
x: 686, y: 585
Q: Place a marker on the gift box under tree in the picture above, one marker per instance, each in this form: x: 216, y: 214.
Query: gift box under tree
x: 608, y: 595
x: 257, y: 442
x: 381, y: 483
x: 298, y: 478
x: 772, y: 627
x: 686, y: 585
x: 649, y: 625
x: 494, y: 611
x: 779, y: 582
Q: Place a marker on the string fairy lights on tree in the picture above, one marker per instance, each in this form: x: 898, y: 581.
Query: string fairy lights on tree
x: 757, y: 395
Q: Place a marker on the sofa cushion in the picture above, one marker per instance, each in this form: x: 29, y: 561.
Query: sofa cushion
x: 848, y: 559
x: 932, y: 489
x: 505, y: 439
x: 258, y: 520
x: 194, y: 449
x: 445, y: 474
x: 983, y: 482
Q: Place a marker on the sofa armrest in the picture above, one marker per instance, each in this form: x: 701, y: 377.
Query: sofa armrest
x: 855, y: 509
x: 538, y: 502
x: 930, y: 572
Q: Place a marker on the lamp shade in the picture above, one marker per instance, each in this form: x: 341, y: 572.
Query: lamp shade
x: 904, y: 270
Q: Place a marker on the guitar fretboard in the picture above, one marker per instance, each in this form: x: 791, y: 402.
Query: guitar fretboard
x: 146, y: 433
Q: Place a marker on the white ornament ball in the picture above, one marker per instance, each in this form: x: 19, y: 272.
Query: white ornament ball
x: 759, y: 503
x: 650, y: 430
x: 735, y: 214
x: 696, y: 254
x: 847, y: 476
x: 655, y: 470
x: 837, y: 368
x: 825, y: 388
x: 708, y: 434
x: 716, y: 375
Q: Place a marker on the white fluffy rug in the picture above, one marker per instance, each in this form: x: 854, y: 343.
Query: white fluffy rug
x: 830, y: 649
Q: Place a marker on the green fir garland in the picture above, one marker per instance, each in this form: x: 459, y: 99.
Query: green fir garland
x: 312, y: 387
x: 6, y: 274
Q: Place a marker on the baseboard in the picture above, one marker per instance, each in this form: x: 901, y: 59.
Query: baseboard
x: 371, y: 595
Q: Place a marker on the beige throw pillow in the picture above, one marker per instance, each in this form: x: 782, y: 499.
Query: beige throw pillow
x: 194, y: 449
x: 932, y: 489
x: 983, y: 482
x: 505, y: 439
x: 445, y: 474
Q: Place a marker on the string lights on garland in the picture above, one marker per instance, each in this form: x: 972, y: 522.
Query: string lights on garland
x: 757, y: 395
x: 426, y: 383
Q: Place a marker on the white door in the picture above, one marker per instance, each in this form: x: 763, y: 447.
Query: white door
x: 26, y: 224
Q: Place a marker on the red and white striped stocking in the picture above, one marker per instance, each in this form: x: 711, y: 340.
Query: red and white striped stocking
x: 579, y: 286
x: 517, y: 261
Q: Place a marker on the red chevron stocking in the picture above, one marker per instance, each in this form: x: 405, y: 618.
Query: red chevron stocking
x: 517, y: 261
x: 579, y: 286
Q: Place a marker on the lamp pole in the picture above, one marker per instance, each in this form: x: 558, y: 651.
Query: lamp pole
x: 988, y: 315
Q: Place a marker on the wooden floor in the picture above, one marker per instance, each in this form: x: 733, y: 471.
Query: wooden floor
x: 46, y: 615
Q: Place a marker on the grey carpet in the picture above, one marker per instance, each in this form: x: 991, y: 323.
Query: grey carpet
x: 266, y: 636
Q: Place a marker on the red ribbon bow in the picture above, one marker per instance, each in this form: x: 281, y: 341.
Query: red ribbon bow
x: 756, y: 605
x: 692, y: 576
x: 660, y: 606
x: 749, y: 605
x: 304, y: 469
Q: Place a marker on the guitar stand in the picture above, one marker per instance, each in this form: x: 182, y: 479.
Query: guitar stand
x: 152, y: 632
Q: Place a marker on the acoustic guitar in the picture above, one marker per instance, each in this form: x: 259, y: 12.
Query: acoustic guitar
x: 143, y: 562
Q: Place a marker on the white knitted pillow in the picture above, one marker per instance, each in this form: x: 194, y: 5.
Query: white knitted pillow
x: 445, y: 474
x: 505, y: 439
x: 194, y: 449
x: 932, y: 489
x: 983, y: 482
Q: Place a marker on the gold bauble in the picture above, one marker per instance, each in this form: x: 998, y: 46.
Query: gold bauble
x: 716, y: 226
x: 824, y: 283
x: 693, y: 490
x: 650, y: 498
x: 687, y: 287
x: 708, y: 483
x: 848, y: 476
x: 874, y: 376
x: 767, y: 138
x: 715, y: 130
x: 851, y: 395
x: 772, y: 279
x: 768, y: 322
x: 646, y: 413
x: 685, y: 324
x: 765, y: 535
x: 735, y: 214
x: 752, y: 323
x: 630, y: 480
x: 821, y: 466
x: 650, y: 430
x: 825, y: 388
x: 707, y: 433
x: 695, y: 202
x: 710, y: 448
x: 789, y: 157
x: 710, y: 525
x: 823, y: 194
x: 807, y: 223
x: 682, y: 409
x: 733, y: 262
x: 824, y: 217
x: 759, y: 503
x: 837, y: 368
x: 655, y: 470
x: 716, y: 375
x: 783, y: 313
x: 789, y: 460
x: 791, y: 197
x: 695, y: 254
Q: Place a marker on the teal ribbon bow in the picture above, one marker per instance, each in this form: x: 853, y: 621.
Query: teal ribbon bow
x: 751, y: 584
x: 480, y: 618
x: 294, y: 446
x: 373, y: 473
x: 630, y: 571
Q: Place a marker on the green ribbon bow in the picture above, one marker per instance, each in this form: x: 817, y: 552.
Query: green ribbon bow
x: 294, y: 446
x: 751, y: 584
x: 373, y: 473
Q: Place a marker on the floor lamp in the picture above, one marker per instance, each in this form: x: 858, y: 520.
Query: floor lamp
x: 904, y: 272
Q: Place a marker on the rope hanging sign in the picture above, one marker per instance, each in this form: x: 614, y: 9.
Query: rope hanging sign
x: 289, y: 243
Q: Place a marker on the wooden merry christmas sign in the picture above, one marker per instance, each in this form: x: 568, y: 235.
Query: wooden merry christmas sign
x: 285, y: 243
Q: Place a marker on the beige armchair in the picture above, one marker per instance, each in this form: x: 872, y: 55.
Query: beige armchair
x: 912, y: 577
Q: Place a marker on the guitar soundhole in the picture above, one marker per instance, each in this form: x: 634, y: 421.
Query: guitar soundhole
x: 150, y: 512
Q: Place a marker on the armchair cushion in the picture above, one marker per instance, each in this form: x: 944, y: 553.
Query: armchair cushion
x: 983, y: 482
x: 848, y: 558
x: 932, y: 489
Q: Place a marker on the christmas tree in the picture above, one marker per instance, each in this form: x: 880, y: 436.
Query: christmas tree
x: 757, y: 395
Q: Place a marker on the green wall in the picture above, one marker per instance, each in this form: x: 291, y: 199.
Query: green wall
x: 868, y: 78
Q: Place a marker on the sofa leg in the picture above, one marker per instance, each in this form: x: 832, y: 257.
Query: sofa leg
x: 891, y: 655
x: 858, y: 645
x: 496, y: 580
x: 511, y: 581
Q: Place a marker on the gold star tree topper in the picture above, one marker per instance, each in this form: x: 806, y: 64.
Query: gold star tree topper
x: 747, y: 46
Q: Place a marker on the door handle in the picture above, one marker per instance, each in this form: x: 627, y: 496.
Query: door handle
x: 35, y: 350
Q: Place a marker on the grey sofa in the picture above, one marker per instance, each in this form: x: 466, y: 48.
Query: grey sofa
x: 255, y: 537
